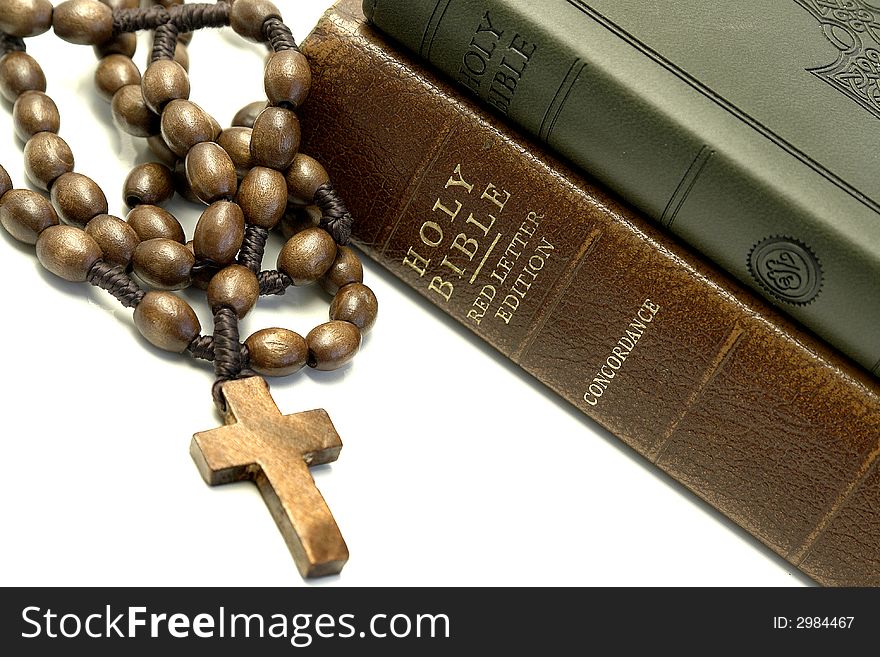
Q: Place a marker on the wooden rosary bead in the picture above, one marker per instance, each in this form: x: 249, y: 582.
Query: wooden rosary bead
x: 131, y: 114
x: 122, y: 44
x: 237, y: 144
x: 5, y: 182
x: 211, y: 173
x: 35, y: 112
x: 19, y: 72
x: 77, y: 199
x: 357, y: 304
x: 115, y: 237
x: 86, y: 22
x: 25, y: 214
x: 150, y: 183
x: 164, y: 81
x: 235, y: 287
x: 166, y: 321
x: 160, y: 149
x: 277, y: 352
x: 46, y: 157
x: 262, y: 196
x: 307, y: 255
x: 184, y: 124
x: 25, y: 18
x: 219, y: 233
x: 297, y: 219
x: 163, y: 264
x: 113, y: 73
x: 304, y: 177
x: 287, y: 78
x: 67, y: 252
x: 247, y: 17
x: 152, y: 222
x: 247, y: 115
x: 346, y: 268
x: 275, y: 139
x: 332, y: 345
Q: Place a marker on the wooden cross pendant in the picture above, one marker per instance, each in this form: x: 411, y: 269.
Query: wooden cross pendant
x: 275, y: 451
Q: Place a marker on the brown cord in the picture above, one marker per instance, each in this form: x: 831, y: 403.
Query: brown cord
x: 170, y: 23
x: 189, y: 18
x: 186, y: 18
x: 335, y: 217
x: 135, y: 20
x: 117, y: 282
x: 230, y: 360
x: 278, y: 35
x: 253, y: 247
x: 202, y: 347
x: 227, y: 353
x: 11, y: 44
x: 164, y: 42
x: 273, y: 282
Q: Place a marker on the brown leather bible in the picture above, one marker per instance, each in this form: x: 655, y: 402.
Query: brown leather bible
x: 697, y: 374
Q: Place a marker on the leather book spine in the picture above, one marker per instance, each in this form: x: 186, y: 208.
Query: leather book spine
x: 694, y: 372
x: 669, y: 145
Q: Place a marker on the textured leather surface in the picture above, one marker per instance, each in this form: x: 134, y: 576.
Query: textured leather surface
x: 743, y: 407
x: 711, y: 118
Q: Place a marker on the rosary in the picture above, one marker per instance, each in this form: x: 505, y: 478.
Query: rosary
x: 252, y: 179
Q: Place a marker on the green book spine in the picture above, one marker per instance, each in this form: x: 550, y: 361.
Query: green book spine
x: 786, y: 215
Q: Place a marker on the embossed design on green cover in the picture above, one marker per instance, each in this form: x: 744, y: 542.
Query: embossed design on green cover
x: 787, y: 268
x: 853, y: 27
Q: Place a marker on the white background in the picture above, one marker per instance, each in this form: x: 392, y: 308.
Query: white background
x: 458, y: 469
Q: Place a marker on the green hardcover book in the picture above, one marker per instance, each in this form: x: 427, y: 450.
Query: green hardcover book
x: 749, y: 129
